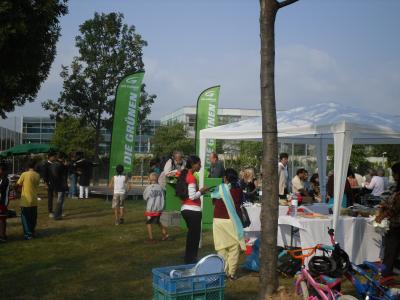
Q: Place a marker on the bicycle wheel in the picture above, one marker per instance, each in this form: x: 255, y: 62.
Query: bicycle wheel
x: 347, y: 297
x: 304, y: 290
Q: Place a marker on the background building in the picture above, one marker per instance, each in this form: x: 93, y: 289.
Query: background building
x: 40, y: 130
x: 9, y: 138
x: 37, y: 129
x: 187, y: 116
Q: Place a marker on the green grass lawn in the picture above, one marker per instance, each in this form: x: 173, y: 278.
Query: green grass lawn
x: 85, y: 256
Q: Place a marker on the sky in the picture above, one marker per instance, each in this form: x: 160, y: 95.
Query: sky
x: 343, y: 51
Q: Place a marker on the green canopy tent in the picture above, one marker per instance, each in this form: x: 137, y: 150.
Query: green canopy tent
x: 24, y: 149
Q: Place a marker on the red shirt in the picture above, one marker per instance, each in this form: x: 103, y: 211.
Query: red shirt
x: 190, y: 179
x: 220, y: 211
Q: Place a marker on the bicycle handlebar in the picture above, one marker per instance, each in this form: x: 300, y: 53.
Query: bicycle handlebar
x: 299, y: 253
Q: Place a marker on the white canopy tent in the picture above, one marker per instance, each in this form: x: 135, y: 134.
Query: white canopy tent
x: 322, y: 124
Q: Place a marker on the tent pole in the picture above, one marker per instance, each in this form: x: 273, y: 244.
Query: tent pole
x: 343, y: 142
x: 13, y: 164
x: 322, y: 149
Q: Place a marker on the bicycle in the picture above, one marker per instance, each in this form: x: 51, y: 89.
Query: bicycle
x: 326, y: 288
x: 329, y: 269
x: 373, y: 287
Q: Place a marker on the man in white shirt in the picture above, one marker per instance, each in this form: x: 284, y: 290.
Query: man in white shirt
x: 377, y: 184
x: 283, y: 175
x: 298, y: 182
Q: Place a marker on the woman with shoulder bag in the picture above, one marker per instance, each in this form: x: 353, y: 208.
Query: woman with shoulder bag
x: 227, y: 225
x: 187, y: 189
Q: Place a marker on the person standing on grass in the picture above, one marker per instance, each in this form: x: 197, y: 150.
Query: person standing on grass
x: 216, y: 169
x: 72, y: 193
x: 119, y: 183
x: 4, y: 187
x: 59, y: 174
x: 84, y: 169
x: 154, y: 196
x: 29, y: 181
x: 227, y: 226
x: 48, y: 181
x: 155, y: 164
x: 172, y: 167
x: 187, y: 189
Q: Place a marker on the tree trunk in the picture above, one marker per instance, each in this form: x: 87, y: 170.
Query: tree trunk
x: 270, y: 205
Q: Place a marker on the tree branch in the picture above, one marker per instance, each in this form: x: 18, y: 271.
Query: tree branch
x: 286, y: 3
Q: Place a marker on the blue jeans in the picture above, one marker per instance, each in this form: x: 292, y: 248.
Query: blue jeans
x: 73, y: 191
x: 28, y: 220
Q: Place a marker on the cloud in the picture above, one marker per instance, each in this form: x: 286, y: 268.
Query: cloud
x: 306, y: 76
x: 179, y: 83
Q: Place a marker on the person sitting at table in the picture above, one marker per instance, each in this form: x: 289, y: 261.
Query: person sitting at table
x: 351, y: 177
x: 249, y: 185
x: 314, y: 187
x: 348, y: 197
x: 368, y: 176
x: 306, y: 183
x: 227, y: 226
x: 359, y: 178
x: 377, y: 185
x: 298, y: 182
x: 381, y: 173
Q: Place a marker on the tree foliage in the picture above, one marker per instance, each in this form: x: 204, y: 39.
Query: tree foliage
x: 29, y: 31
x: 69, y: 136
x: 108, y: 51
x: 172, y: 137
x: 392, y: 152
x: 250, y: 155
x: 146, y: 101
x: 358, y: 158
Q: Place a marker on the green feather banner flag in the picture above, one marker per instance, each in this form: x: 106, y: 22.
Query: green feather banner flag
x: 206, y: 117
x: 125, y: 122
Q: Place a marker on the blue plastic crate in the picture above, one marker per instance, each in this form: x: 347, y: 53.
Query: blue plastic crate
x: 164, y: 283
x: 216, y: 294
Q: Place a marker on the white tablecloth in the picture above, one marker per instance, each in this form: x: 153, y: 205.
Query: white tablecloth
x: 254, y: 212
x: 355, y: 235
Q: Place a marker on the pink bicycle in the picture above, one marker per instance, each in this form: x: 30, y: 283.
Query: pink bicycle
x: 325, y: 288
